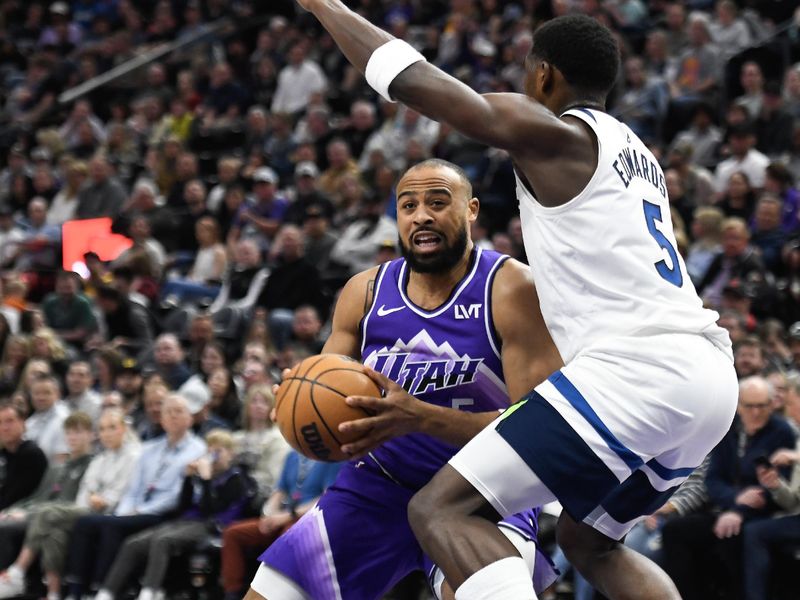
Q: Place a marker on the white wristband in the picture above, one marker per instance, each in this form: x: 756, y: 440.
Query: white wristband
x: 387, y: 62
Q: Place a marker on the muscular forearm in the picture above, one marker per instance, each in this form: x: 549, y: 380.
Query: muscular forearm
x: 456, y: 427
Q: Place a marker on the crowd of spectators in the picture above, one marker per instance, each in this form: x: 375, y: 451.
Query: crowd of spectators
x: 253, y: 171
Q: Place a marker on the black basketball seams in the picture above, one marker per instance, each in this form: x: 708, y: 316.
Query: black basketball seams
x: 316, y: 381
x: 319, y: 414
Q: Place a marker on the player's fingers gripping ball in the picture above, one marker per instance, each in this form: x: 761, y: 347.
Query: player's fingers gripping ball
x: 310, y: 404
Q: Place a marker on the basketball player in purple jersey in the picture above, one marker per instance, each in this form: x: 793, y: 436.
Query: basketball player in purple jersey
x: 453, y: 329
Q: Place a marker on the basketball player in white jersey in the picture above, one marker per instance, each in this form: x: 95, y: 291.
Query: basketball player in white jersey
x: 648, y: 387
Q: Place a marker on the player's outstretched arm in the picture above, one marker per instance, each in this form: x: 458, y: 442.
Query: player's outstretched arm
x: 512, y: 122
x: 528, y: 353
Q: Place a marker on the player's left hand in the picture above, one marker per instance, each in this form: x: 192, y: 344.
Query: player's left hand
x: 728, y: 524
x: 397, y: 413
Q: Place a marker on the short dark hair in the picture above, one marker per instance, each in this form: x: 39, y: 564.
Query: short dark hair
x: 438, y: 162
x: 582, y: 49
x: 6, y: 404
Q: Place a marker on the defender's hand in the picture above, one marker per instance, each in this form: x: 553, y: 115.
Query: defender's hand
x: 397, y: 413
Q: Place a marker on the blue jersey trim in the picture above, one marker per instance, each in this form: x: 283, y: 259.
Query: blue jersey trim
x: 579, y: 403
x: 667, y: 473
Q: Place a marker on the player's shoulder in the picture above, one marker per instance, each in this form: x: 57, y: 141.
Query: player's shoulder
x: 357, y: 294
x: 512, y: 276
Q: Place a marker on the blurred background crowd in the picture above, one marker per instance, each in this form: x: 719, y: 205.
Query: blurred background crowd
x: 245, y: 171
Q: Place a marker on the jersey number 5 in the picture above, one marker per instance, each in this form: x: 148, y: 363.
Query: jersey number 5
x: 652, y: 213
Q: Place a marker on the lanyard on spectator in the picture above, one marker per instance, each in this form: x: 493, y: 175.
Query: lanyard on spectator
x: 163, y: 464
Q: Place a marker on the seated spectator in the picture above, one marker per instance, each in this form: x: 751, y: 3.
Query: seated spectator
x: 768, y: 235
x: 779, y: 181
x: 292, y: 282
x: 24, y: 462
x: 169, y: 362
x: 259, y: 445
x: 739, y: 198
x: 205, y: 276
x: 301, y: 483
x: 261, y: 218
x: 147, y: 424
x: 39, y: 248
x: 46, y: 425
x: 152, y: 494
x: 224, y: 403
x: 359, y: 241
x: 65, y: 203
x: 748, y: 357
x: 198, y: 397
x: 103, y: 196
x: 100, y: 489
x: 126, y: 323
x: 738, y: 260
x: 307, y: 194
x: 340, y: 165
x: 80, y: 396
x: 60, y: 484
x: 693, y: 544
x: 45, y: 345
x: 744, y: 158
x: 214, y: 494
x: 242, y: 285
x: 706, y: 232
x: 128, y: 382
x: 68, y: 312
x: 307, y: 329
x: 11, y: 236
x: 15, y: 354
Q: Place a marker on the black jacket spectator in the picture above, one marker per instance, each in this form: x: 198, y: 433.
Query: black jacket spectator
x: 21, y: 472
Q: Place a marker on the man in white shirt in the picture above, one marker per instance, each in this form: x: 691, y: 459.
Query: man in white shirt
x: 46, y: 425
x: 297, y: 81
x: 80, y: 396
x: 744, y: 158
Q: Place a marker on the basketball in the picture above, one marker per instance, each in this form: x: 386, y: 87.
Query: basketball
x: 310, y: 404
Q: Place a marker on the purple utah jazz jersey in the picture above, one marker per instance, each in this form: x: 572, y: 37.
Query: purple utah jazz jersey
x: 449, y: 357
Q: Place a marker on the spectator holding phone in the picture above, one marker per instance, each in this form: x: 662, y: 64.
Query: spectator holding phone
x: 762, y: 537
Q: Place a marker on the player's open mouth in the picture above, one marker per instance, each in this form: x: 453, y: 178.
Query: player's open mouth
x: 426, y: 240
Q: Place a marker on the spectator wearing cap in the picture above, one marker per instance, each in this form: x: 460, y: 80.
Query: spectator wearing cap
x: 773, y: 124
x: 744, y: 157
x: 320, y: 240
x: 262, y: 217
x: 80, y: 396
x: 103, y: 195
x: 63, y: 34
x: 128, y: 382
x: 297, y: 81
x: 306, y: 193
x: 198, y: 397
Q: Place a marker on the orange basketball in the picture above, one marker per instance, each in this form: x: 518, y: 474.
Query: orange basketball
x: 310, y: 404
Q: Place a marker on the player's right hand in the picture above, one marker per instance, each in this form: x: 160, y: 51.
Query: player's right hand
x: 396, y: 413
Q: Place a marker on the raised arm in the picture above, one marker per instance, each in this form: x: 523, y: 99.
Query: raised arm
x: 513, y: 122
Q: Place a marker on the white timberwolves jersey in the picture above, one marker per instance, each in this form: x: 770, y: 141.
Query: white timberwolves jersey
x: 606, y: 263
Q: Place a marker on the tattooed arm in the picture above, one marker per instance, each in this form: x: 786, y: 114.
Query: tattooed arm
x: 353, y: 303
